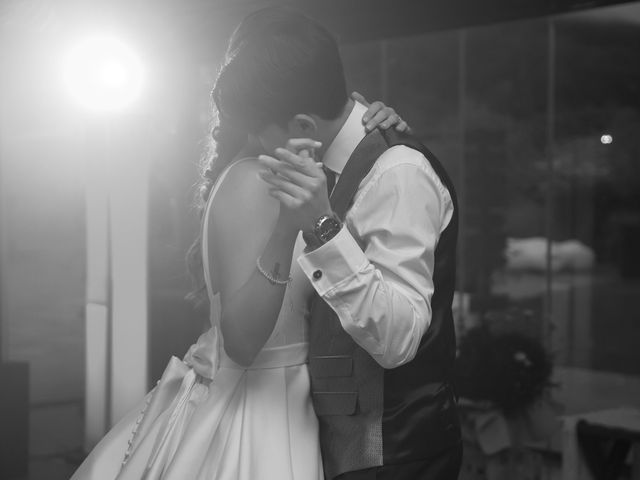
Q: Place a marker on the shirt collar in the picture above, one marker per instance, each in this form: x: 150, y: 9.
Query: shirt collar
x: 346, y: 141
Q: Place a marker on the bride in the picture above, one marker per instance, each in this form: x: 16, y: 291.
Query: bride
x: 237, y: 406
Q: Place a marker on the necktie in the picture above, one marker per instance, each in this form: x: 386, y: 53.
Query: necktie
x: 331, y: 179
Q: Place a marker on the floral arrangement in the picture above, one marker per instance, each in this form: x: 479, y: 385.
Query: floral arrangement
x: 510, y: 370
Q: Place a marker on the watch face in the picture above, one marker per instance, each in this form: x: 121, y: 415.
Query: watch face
x: 327, y: 227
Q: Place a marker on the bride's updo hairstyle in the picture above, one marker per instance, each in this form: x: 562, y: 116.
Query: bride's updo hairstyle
x: 279, y: 63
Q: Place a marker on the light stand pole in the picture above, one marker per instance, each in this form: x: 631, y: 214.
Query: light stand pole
x: 105, y: 77
x: 98, y: 295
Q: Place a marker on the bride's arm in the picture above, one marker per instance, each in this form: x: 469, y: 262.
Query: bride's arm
x: 243, y: 226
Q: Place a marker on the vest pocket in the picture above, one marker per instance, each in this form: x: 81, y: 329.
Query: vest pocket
x: 331, y: 366
x: 335, y: 403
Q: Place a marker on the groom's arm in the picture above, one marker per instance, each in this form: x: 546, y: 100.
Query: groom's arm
x: 377, y: 274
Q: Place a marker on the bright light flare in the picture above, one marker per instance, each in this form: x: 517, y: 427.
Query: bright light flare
x: 103, y: 74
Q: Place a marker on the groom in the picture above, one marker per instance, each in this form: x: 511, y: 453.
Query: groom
x: 380, y: 252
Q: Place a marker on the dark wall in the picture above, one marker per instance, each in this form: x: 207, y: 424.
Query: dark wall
x: 363, y: 20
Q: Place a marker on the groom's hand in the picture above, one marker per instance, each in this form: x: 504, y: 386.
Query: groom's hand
x: 298, y: 182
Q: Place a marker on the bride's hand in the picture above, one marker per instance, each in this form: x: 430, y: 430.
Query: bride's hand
x: 380, y: 115
x: 298, y: 182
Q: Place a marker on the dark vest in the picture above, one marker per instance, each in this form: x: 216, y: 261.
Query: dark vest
x: 370, y: 416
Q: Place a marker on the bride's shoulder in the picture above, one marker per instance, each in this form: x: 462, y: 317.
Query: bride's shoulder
x: 240, y: 176
x: 237, y: 168
x: 242, y: 189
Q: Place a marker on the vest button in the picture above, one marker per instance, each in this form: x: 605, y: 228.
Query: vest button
x: 317, y: 274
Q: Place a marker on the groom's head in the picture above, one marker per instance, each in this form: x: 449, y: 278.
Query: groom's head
x: 282, y: 77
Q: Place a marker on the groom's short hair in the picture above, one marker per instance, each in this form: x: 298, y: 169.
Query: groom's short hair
x: 279, y: 63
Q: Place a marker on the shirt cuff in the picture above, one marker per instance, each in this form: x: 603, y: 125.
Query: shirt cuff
x: 333, y: 262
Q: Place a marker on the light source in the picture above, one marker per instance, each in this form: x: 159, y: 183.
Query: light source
x: 102, y: 74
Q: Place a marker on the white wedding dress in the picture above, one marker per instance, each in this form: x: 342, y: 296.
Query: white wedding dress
x: 209, y: 418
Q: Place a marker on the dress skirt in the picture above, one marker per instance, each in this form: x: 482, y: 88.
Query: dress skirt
x: 239, y: 424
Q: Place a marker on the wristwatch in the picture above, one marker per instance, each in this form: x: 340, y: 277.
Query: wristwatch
x: 326, y: 227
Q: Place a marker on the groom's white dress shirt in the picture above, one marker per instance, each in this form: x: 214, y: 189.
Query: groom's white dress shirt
x: 376, y: 274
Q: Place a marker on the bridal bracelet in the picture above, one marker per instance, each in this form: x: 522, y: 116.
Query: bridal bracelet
x: 272, y: 280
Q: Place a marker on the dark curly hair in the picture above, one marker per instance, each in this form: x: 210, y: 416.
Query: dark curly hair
x: 510, y: 370
x: 224, y: 144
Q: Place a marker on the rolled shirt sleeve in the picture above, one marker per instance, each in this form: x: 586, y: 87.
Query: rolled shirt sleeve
x: 377, y: 273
